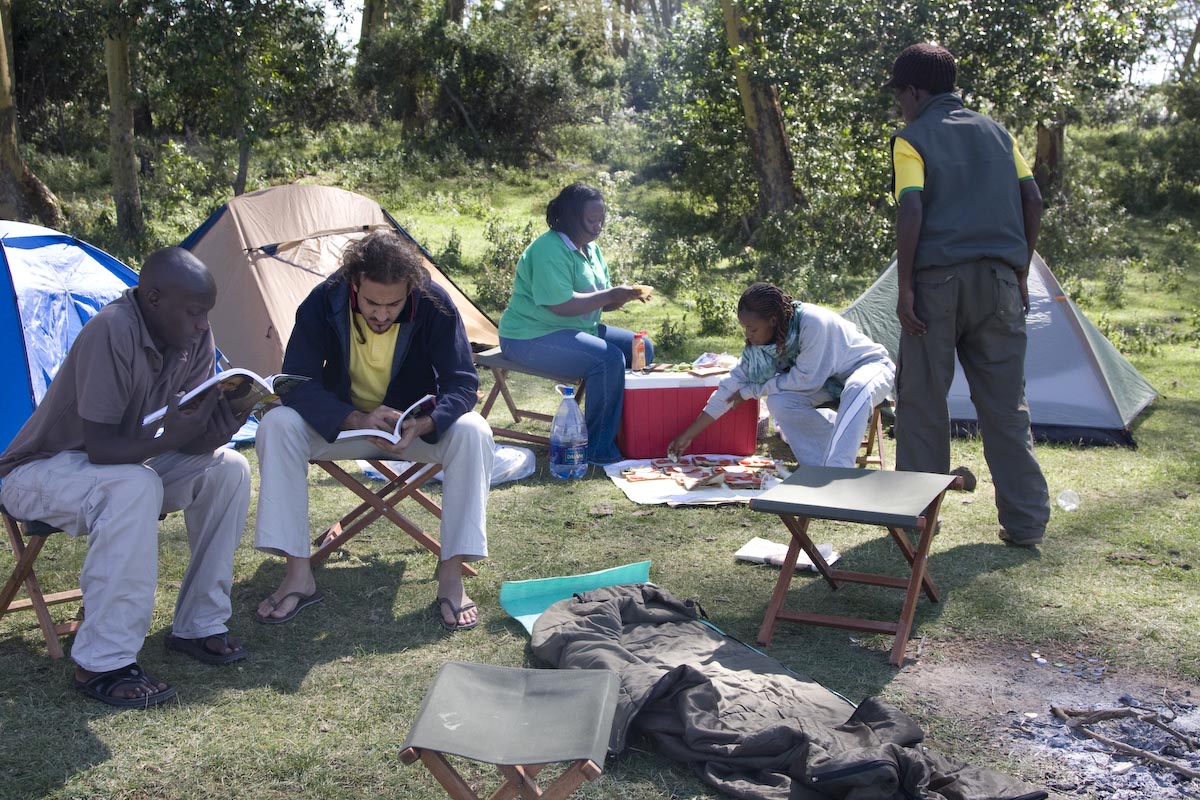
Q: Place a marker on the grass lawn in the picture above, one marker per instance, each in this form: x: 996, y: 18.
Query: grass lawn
x: 321, y: 706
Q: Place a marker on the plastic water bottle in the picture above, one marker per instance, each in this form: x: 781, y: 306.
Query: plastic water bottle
x: 568, y: 438
x: 1068, y: 500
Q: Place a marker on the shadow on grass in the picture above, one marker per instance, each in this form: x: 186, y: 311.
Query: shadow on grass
x: 853, y: 662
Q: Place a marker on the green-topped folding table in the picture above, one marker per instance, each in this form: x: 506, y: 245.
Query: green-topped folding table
x: 894, y: 500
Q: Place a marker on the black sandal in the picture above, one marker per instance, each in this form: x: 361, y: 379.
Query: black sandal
x: 101, y: 686
x: 199, y: 650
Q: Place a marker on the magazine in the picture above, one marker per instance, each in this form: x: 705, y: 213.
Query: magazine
x: 417, y: 409
x: 248, y: 393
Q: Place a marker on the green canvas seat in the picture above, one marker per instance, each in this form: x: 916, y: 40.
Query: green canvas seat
x: 518, y: 719
x: 500, y: 366
x: 898, y: 501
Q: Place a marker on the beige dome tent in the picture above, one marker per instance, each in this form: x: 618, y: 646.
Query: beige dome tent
x: 1078, y: 386
x: 268, y: 249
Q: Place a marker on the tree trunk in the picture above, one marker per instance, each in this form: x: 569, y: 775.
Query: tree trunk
x: 374, y: 19
x: 22, y: 195
x: 1189, y: 58
x: 455, y: 9
x: 1047, y: 164
x: 122, y: 158
x: 239, y: 182
x: 769, y: 147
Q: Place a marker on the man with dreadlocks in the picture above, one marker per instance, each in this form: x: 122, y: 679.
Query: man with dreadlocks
x: 801, y: 357
x: 968, y: 221
x: 374, y: 338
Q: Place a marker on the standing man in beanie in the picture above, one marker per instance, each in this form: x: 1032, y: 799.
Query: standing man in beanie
x: 968, y: 221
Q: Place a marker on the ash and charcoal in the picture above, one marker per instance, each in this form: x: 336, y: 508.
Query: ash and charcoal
x: 1100, y: 770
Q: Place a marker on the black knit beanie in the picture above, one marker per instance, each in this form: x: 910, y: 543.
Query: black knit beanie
x: 924, y: 66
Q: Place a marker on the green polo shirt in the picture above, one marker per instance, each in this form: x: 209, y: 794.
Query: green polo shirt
x: 550, y: 271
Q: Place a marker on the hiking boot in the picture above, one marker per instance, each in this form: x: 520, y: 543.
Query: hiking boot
x: 1007, y: 538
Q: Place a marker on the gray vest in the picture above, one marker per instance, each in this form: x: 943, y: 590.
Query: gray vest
x: 972, y: 199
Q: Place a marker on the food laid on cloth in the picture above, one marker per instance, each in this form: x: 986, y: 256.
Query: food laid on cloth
x: 703, y: 478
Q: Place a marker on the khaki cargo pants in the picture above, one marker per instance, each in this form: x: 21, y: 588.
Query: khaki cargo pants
x: 972, y: 309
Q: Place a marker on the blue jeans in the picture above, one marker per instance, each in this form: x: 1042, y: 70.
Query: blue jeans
x: 601, y: 360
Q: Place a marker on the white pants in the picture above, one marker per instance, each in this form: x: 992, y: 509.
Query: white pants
x: 286, y: 443
x: 820, y: 437
x: 117, y: 507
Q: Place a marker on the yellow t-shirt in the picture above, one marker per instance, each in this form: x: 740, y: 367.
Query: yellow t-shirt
x: 370, y: 364
x: 910, y: 167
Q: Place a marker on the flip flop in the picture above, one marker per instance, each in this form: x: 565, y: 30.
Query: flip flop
x: 199, y: 650
x: 303, y: 601
x: 437, y: 604
x: 100, y: 687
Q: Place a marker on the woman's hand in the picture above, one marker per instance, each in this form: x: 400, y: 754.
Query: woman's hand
x: 620, y: 295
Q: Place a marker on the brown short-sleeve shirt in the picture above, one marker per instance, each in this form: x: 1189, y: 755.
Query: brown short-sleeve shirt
x: 113, y: 374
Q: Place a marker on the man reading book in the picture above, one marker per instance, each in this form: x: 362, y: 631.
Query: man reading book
x: 85, y: 463
x: 374, y: 338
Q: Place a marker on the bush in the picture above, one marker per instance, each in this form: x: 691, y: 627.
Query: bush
x: 716, y: 311
x: 494, y: 280
x: 671, y: 337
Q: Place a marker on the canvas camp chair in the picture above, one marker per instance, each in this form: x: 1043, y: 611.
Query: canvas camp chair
x: 500, y: 367
x: 27, y: 539
x: 518, y: 719
x: 897, y: 501
x: 381, y: 502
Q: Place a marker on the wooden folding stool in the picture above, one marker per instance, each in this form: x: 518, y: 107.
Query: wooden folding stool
x: 381, y: 502
x: 500, y: 366
x: 26, y: 554
x: 521, y: 720
x: 872, y: 444
x: 897, y: 501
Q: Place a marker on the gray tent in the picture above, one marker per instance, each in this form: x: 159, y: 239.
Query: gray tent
x: 1079, y: 387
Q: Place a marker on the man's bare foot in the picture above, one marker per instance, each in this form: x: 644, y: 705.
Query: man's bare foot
x: 450, y: 588
x: 298, y: 584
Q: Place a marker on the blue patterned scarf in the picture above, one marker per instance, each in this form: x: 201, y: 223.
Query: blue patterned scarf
x: 764, y: 361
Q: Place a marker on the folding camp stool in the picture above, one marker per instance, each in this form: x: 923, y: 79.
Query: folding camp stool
x: 521, y: 720
x: 26, y: 554
x: 871, y: 449
x: 381, y: 503
x: 872, y: 444
x: 500, y: 366
x: 894, y: 500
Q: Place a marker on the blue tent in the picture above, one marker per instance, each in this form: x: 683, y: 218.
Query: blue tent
x: 50, y: 284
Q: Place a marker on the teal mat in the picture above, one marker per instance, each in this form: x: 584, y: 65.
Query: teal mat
x: 526, y: 600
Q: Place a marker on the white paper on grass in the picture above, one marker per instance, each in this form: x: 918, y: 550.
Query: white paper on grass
x: 764, y: 551
x: 511, y: 464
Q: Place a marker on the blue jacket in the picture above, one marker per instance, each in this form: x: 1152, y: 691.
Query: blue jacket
x: 432, y: 356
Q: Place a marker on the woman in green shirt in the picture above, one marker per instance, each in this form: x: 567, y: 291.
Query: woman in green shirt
x: 553, y: 318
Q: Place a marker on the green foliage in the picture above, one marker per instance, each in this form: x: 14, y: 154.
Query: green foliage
x: 450, y: 258
x: 58, y: 73
x: 1076, y: 233
x: 494, y: 278
x: 503, y: 86
x: 716, y: 310
x: 825, y: 252
x: 671, y: 336
x: 242, y: 68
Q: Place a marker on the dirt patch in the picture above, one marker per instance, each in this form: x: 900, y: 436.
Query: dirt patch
x: 1006, y: 699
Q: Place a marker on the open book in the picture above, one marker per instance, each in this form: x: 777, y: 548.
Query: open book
x: 417, y: 409
x: 248, y: 393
